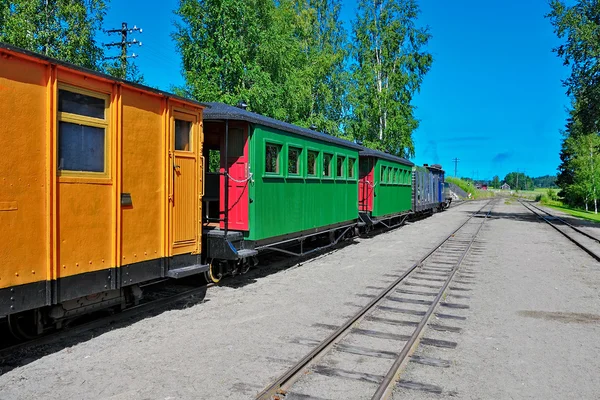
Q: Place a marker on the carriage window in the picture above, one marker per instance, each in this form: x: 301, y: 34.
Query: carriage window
x: 81, y: 104
x: 313, y: 156
x: 82, y: 128
x: 327, y: 164
x: 382, y: 176
x: 294, y: 161
x: 351, y: 162
x: 340, y: 167
x: 80, y: 147
x: 183, y: 131
x: 272, y: 158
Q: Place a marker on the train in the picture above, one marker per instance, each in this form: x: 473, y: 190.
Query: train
x: 108, y: 185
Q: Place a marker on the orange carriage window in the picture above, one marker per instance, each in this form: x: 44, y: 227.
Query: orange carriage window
x: 183, y: 134
x: 82, y: 131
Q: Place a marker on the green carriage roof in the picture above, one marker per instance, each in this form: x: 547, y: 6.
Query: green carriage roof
x: 220, y: 111
x: 366, y: 152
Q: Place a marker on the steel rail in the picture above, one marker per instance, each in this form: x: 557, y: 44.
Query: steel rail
x: 384, y: 391
x: 285, y: 381
x: 572, y: 239
x: 7, y: 352
x: 576, y: 229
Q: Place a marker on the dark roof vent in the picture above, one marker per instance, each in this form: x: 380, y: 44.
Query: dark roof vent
x: 358, y: 142
x: 386, y: 151
x: 312, y: 127
x: 425, y: 165
x: 242, y: 104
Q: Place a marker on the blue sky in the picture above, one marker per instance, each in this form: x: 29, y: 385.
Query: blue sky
x: 493, y: 97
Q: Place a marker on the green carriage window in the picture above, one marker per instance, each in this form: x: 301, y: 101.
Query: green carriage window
x: 313, y: 156
x: 294, y: 160
x: 340, y: 167
x: 382, y: 175
x: 272, y: 158
x: 351, y: 162
x: 327, y: 164
x: 394, y: 176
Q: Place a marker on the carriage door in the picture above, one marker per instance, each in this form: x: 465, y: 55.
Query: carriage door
x: 365, y: 184
x: 237, y: 160
x: 184, y: 186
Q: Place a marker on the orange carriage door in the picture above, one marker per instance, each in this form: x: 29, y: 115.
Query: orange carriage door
x: 236, y: 197
x: 184, y: 187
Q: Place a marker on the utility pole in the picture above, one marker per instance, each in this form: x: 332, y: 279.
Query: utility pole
x: 456, y: 160
x: 124, y: 43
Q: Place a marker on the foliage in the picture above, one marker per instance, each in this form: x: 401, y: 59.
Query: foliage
x: 62, y: 29
x: 546, y: 181
x: 390, y: 64
x: 579, y: 26
x: 285, y: 60
x: 496, y: 182
x: 519, y: 181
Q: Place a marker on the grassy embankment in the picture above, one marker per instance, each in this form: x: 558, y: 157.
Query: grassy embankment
x: 469, y: 188
x: 550, y: 199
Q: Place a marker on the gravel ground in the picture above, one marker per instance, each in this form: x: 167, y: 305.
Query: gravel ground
x: 533, y: 325
x: 244, y: 335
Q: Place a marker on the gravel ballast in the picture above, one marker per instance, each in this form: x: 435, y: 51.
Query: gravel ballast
x: 533, y: 325
x: 531, y: 329
x: 240, y: 338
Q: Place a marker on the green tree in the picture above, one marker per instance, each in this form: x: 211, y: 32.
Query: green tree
x: 586, y: 166
x: 285, y: 59
x: 519, y: 181
x: 62, y: 29
x: 390, y: 64
x: 496, y: 182
x: 579, y: 26
x: 323, y: 42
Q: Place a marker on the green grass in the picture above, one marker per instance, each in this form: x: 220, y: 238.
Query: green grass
x: 590, y: 216
x: 469, y: 188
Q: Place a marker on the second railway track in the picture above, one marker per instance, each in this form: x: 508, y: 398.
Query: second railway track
x: 386, y: 331
x: 585, y: 241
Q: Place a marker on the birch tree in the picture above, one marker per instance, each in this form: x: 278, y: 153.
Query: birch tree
x: 390, y: 63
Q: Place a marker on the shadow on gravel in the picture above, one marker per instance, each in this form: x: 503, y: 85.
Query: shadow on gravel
x: 273, y: 262
x: 70, y: 336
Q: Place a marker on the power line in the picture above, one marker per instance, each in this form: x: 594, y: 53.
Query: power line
x: 455, y: 161
x: 123, y: 44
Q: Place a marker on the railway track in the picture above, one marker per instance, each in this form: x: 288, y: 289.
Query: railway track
x: 588, y: 243
x: 385, y: 332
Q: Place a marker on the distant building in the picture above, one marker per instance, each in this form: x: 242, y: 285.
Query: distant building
x: 505, y: 186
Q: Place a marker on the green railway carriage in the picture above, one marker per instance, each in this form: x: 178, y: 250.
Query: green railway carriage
x: 278, y: 183
x: 385, y: 188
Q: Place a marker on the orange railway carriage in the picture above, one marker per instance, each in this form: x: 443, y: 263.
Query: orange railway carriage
x: 100, y: 188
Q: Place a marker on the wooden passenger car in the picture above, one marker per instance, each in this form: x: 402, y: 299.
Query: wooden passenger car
x: 385, y: 188
x: 100, y: 185
x: 279, y: 182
